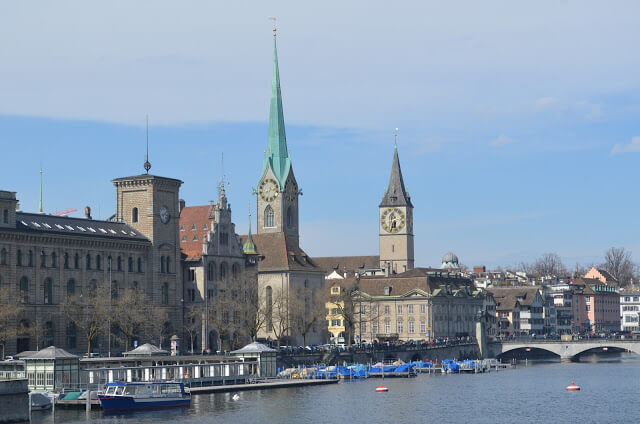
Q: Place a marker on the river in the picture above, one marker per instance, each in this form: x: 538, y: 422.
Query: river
x: 531, y: 393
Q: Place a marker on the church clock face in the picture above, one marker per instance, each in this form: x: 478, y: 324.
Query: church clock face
x: 292, y: 192
x: 268, y: 189
x: 392, y: 220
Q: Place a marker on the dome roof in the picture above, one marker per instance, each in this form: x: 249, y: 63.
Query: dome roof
x: 450, y: 257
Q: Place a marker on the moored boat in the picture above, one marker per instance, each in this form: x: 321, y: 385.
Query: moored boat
x: 143, y: 395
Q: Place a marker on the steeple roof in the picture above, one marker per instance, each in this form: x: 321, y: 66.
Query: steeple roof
x: 277, y: 155
x: 249, y: 247
x: 396, y: 194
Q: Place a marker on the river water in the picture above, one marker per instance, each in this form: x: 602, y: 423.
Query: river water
x: 532, y: 393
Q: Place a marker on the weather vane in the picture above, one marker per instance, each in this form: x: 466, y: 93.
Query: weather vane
x: 395, y: 137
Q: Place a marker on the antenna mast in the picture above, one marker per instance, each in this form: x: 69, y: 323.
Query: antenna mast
x: 147, y: 164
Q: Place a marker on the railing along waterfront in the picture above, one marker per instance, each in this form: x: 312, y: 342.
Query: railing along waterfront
x: 12, y: 375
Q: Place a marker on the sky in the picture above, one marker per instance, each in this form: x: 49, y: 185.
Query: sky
x: 518, y: 123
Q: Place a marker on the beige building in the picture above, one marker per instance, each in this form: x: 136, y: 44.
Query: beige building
x: 421, y: 304
x: 49, y: 258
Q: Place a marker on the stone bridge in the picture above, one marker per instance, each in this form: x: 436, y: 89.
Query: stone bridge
x: 566, y: 350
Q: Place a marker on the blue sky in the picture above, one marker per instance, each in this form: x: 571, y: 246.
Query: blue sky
x: 518, y: 123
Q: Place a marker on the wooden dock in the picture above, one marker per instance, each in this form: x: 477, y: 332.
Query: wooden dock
x: 271, y: 384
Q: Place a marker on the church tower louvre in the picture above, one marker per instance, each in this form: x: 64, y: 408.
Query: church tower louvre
x: 277, y: 189
x: 396, y: 223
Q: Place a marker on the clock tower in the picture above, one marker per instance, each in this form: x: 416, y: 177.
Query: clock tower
x: 396, y: 223
x: 277, y: 189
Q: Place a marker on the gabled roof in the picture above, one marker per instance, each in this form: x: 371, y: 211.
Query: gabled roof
x: 350, y: 264
x: 281, y: 253
x: 198, y: 216
x: 82, y: 227
x: 507, y: 298
x: 396, y: 194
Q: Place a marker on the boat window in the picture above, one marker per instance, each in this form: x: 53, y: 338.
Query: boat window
x: 156, y: 389
x: 130, y: 390
x: 119, y: 390
x: 110, y: 390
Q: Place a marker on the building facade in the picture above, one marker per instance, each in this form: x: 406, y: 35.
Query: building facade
x: 630, y: 311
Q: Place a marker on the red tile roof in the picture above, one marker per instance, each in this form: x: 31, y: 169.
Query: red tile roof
x: 198, y: 216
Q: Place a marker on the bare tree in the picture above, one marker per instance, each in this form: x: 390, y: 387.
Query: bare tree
x: 223, y: 315
x: 307, y: 311
x: 192, y: 326
x: 130, y: 314
x: 89, y: 313
x: 10, y: 309
x: 279, y: 314
x: 345, y: 305
x: 549, y: 265
x: 254, y: 314
x: 157, y: 326
x: 617, y: 260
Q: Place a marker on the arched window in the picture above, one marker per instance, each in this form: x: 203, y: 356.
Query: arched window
x: 223, y: 271
x: 290, y: 216
x: 168, y: 262
x: 76, y: 261
x: 71, y: 336
x: 130, y: 264
x: 268, y: 298
x: 19, y: 257
x: 54, y: 260
x: 66, y: 260
x: 24, y: 290
x: 48, y: 291
x: 5, y: 216
x: 139, y: 264
x: 30, y: 258
x: 165, y: 293
x: 43, y: 259
x: 235, y: 271
x: 269, y: 220
x: 134, y: 215
x: 88, y: 261
x: 48, y: 334
x: 3, y: 257
x: 71, y: 287
x: 119, y: 263
x: 211, y: 271
x: 162, y: 267
x: 98, y: 262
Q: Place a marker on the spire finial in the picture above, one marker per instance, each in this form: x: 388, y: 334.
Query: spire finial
x: 223, y: 180
x: 275, y: 30
x: 40, y: 203
x: 147, y: 164
x: 395, y: 138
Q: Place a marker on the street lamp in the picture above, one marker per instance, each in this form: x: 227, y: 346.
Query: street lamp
x: 109, y: 317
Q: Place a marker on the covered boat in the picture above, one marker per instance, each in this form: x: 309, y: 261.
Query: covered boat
x: 143, y: 395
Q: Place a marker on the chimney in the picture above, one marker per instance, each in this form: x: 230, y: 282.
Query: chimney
x: 182, y: 204
x: 87, y: 212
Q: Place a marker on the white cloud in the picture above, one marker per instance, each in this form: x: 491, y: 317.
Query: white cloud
x: 502, y: 140
x: 633, y: 147
x: 546, y: 102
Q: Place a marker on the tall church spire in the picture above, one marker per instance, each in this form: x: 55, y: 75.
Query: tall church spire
x: 396, y: 194
x: 277, y: 155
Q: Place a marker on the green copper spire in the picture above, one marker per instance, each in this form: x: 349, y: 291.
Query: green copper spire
x: 277, y: 156
x: 249, y: 247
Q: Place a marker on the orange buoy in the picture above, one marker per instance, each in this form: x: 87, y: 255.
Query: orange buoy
x: 381, y: 388
x: 572, y: 387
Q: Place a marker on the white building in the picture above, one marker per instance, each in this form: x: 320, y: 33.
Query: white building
x: 629, y: 311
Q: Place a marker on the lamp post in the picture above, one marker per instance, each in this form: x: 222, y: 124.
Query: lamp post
x: 109, y: 317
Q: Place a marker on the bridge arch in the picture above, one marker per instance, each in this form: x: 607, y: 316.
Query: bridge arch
x: 602, y: 347
x: 523, y: 348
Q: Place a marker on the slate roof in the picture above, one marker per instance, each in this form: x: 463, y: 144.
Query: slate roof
x: 52, y: 352
x: 198, y: 216
x: 281, y: 253
x: 607, y: 275
x: 82, y: 227
x: 506, y: 298
x: 396, y: 194
x: 418, y: 278
x: 349, y: 264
